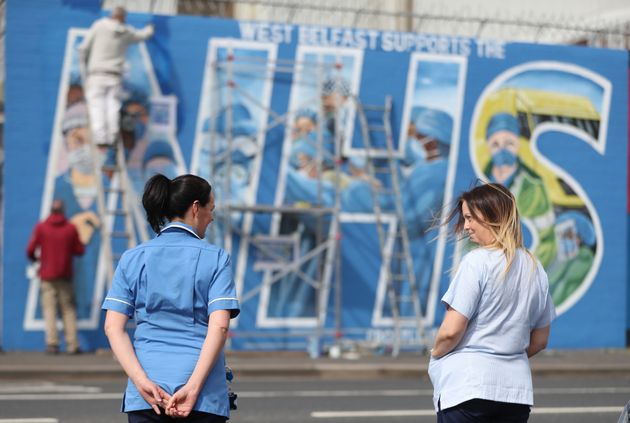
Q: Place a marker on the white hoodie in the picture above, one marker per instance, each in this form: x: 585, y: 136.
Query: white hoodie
x: 104, y: 47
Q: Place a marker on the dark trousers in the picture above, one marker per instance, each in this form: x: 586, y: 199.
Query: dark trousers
x: 150, y: 416
x: 484, y: 411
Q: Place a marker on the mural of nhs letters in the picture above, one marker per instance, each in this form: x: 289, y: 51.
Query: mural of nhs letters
x: 320, y: 119
x: 274, y: 116
x: 150, y: 146
x: 429, y: 144
x: 230, y: 136
x: 536, y: 104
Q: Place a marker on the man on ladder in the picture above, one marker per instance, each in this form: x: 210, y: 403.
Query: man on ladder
x: 102, y: 58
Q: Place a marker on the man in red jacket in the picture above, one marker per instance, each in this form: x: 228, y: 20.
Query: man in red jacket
x: 57, y: 240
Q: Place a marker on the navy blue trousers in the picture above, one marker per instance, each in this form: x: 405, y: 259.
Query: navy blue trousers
x: 484, y: 411
x: 150, y: 416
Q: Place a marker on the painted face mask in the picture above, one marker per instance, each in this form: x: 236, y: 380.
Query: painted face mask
x: 80, y: 159
x: 503, y: 157
x: 414, y: 151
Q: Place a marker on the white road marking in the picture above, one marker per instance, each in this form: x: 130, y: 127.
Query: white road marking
x: 425, y: 413
x: 33, y: 420
x: 416, y: 392
x: 51, y: 392
x: 576, y: 410
x: 338, y: 393
x: 61, y: 397
x: 373, y: 413
x: 48, y: 387
x: 580, y: 391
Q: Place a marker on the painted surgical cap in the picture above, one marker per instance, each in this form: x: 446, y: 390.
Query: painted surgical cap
x: 137, y: 96
x: 339, y: 85
x: 307, y: 113
x: 242, y: 122
x: 502, y: 122
x: 433, y: 123
x: 158, y: 148
x: 76, y: 116
x: 358, y: 162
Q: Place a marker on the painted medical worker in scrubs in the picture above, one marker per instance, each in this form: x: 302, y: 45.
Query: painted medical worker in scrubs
x: 76, y: 187
x: 576, y: 244
x: 502, y: 140
x: 427, y: 152
x: 233, y: 133
x: 180, y: 291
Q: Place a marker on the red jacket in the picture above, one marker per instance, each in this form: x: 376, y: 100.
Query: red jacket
x: 58, y: 240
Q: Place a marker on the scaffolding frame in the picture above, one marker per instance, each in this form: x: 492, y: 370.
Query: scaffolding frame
x: 327, y: 246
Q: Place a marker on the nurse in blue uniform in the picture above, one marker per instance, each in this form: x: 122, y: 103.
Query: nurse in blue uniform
x: 181, y: 292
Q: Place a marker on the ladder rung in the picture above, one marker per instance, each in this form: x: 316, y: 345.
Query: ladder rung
x: 118, y: 212
x: 396, y: 255
x: 399, y: 277
x: 117, y: 190
x: 405, y: 299
x: 112, y: 168
x: 377, y: 128
x: 120, y: 235
x: 373, y: 107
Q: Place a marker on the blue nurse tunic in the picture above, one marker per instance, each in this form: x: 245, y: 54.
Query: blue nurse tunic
x: 171, y: 285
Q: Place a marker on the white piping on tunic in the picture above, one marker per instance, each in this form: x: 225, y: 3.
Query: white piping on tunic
x: 120, y: 301
x: 175, y: 225
x: 222, y: 299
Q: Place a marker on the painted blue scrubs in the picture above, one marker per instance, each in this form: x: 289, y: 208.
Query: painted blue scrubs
x: 171, y: 285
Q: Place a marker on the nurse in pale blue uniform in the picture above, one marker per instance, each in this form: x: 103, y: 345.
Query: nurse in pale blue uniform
x: 180, y: 291
x: 499, y: 312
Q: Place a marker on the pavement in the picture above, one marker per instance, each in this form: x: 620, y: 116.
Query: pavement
x: 37, y: 365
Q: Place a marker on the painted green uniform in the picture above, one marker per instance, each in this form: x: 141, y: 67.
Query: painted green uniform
x: 533, y: 203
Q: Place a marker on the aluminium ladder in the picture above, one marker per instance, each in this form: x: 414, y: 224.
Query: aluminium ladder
x: 401, y: 283
x: 114, y: 204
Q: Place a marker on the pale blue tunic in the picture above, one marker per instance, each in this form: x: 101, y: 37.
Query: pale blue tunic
x: 490, y: 361
x: 171, y: 285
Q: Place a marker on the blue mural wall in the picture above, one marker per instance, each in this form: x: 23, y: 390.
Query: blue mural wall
x: 549, y: 122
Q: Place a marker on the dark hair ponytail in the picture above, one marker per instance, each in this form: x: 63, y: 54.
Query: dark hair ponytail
x: 164, y: 199
x: 155, y: 200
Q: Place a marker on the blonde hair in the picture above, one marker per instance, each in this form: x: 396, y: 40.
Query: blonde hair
x: 494, y: 206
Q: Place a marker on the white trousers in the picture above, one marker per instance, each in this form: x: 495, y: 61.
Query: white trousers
x: 103, y: 94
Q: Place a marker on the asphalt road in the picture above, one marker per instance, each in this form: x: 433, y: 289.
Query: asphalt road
x: 577, y: 399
